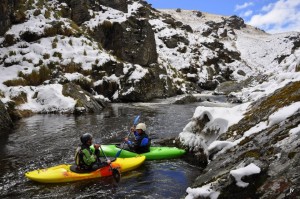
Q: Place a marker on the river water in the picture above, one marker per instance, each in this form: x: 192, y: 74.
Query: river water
x: 43, y: 141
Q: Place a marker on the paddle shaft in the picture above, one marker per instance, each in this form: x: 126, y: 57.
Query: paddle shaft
x: 135, y: 121
x: 115, y: 172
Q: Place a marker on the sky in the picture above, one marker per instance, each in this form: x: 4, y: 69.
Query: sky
x: 273, y: 16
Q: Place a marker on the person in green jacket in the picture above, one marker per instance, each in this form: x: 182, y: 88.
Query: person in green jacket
x: 87, y: 155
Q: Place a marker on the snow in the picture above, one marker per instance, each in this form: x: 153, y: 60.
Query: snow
x: 220, y: 119
x: 204, y: 191
x: 284, y: 113
x: 238, y: 174
x: 295, y: 130
x: 49, y: 98
x: 138, y: 73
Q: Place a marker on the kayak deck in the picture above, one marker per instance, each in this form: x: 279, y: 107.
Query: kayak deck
x: 63, y: 173
x: 156, y: 152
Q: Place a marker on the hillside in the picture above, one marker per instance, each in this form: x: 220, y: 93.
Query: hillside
x: 67, y: 56
x: 114, y: 52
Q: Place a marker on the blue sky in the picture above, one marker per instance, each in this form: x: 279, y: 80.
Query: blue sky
x: 273, y: 16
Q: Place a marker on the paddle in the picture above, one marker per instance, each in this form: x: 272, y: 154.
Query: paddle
x: 115, y: 172
x: 135, y: 121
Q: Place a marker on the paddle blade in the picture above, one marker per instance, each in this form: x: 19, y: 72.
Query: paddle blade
x: 136, y: 120
x: 116, y: 174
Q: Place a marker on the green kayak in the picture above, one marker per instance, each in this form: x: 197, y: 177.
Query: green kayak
x: 156, y: 152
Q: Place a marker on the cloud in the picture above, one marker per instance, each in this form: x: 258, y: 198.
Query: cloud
x: 247, y: 13
x: 282, y: 16
x: 243, y: 6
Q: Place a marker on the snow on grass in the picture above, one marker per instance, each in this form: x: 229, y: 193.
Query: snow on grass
x: 238, y: 174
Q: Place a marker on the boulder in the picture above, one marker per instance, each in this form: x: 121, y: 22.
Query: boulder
x: 235, y: 22
x: 151, y: 86
x: 86, y: 103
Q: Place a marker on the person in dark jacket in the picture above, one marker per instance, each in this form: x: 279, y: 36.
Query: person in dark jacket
x: 87, y: 155
x: 142, y: 143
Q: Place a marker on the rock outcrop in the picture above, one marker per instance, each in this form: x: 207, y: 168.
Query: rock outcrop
x: 132, y: 41
x: 86, y: 103
x: 274, y: 149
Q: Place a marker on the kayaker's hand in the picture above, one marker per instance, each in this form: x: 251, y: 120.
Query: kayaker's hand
x: 132, y: 129
x: 96, y: 146
x: 108, y: 161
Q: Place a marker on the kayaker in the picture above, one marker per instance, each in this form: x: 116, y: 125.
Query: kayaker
x: 142, y: 142
x: 87, y: 155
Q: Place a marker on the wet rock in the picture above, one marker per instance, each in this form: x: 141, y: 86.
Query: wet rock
x: 86, y: 103
x: 186, y: 100
x: 227, y: 87
x: 5, y: 120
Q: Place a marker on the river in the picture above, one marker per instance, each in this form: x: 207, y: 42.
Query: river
x: 43, y: 141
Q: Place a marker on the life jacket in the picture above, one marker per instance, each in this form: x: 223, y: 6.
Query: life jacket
x: 79, y: 158
x: 141, y: 141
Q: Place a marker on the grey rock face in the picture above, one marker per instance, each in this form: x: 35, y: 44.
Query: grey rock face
x: 132, y: 40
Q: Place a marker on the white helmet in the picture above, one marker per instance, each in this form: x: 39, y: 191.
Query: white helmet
x: 141, y: 126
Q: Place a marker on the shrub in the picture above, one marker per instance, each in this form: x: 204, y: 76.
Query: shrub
x: 54, y: 45
x: 106, y: 25
x: 47, y: 14
x: 15, y: 82
x: 37, y: 12
x: 72, y: 67
x: 71, y: 42
x: 11, y: 53
x: 20, y: 99
x: 57, y: 54
x: 46, y: 56
x: 36, y: 78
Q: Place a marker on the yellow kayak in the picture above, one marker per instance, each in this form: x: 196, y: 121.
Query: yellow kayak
x: 63, y: 173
